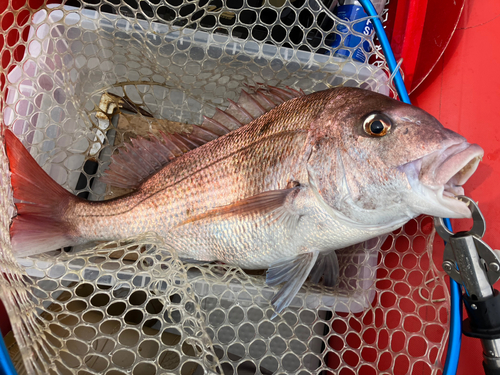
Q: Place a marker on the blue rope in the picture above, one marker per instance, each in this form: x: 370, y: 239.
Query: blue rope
x: 455, y: 339
x: 6, y: 365
x: 386, y: 47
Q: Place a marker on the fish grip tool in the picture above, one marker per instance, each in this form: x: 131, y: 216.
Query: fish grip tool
x: 472, y: 263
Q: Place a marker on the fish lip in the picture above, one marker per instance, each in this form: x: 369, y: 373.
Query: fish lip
x: 442, y: 174
x: 458, y: 209
x: 457, y: 168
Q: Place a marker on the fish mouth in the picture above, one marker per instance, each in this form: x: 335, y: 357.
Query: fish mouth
x: 457, y: 169
x: 439, y: 177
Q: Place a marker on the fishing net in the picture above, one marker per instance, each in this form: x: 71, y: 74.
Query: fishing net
x: 132, y: 306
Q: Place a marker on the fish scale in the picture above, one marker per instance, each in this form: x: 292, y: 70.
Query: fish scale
x: 246, y: 163
x: 315, y: 174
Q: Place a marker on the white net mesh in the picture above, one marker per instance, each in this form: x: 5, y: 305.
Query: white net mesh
x: 132, y: 306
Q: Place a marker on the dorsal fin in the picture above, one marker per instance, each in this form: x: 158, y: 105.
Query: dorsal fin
x: 138, y: 160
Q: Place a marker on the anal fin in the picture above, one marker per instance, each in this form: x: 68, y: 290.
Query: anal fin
x: 327, y: 266
x: 292, y: 272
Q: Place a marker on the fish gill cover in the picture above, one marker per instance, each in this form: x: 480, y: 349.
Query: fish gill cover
x: 132, y: 306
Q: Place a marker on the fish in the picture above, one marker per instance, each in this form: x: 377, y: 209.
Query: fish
x: 279, y: 181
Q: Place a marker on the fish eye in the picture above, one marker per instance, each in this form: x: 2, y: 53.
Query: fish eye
x: 376, y: 125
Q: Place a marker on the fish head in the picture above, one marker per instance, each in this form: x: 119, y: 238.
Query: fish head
x: 378, y: 161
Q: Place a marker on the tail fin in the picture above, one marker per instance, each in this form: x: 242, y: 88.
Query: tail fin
x: 39, y: 225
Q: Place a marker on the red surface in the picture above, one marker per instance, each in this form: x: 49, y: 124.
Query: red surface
x: 407, y: 34
x: 463, y: 92
x: 5, y: 326
x: 441, y: 19
x: 419, y: 31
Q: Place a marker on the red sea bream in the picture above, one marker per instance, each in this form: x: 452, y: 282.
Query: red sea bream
x: 314, y: 174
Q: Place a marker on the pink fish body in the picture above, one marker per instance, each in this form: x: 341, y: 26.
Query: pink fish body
x: 317, y: 173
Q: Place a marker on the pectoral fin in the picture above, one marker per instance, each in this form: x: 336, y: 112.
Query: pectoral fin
x: 278, y: 203
x: 292, y: 272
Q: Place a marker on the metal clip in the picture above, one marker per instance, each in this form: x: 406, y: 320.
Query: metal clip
x: 467, y: 259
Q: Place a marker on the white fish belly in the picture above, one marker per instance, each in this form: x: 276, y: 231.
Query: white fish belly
x: 257, y: 241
